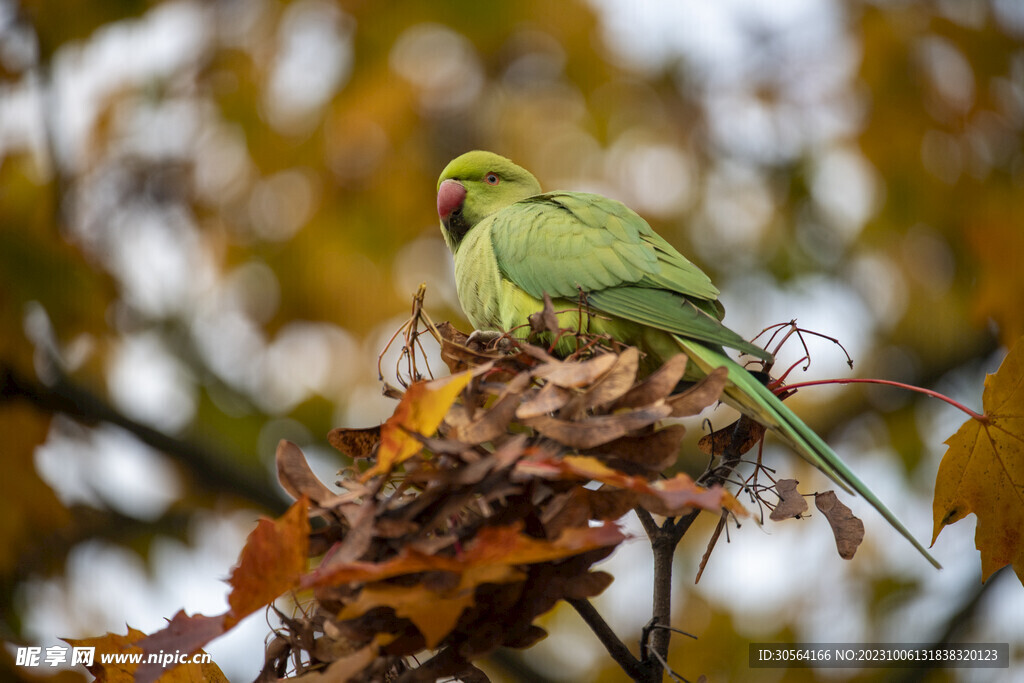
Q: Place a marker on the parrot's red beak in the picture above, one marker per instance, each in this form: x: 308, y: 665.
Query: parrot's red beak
x: 450, y: 196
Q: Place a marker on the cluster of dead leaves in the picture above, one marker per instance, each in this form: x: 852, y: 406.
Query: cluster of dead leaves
x: 478, y: 510
x: 479, y: 504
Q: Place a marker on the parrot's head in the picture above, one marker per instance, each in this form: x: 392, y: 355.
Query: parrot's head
x: 475, y: 185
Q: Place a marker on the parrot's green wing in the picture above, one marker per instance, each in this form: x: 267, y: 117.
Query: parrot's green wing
x: 567, y: 243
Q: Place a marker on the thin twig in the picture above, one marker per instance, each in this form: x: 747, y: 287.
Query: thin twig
x: 615, y: 647
x: 650, y: 526
x: 674, y: 630
x: 711, y: 546
x: 667, y: 669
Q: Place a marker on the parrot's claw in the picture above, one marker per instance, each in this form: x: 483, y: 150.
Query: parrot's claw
x: 483, y: 339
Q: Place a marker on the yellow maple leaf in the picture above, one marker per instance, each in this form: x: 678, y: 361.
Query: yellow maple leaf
x: 983, y: 471
x: 421, y: 410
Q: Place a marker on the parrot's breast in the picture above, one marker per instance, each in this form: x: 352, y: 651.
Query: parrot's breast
x: 478, y: 279
x: 490, y: 300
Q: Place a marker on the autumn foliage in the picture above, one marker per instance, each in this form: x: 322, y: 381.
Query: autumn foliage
x: 483, y: 501
x: 490, y: 522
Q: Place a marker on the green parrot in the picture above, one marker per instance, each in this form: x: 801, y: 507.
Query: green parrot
x: 512, y: 243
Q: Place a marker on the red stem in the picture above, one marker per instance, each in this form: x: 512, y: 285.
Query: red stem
x: 927, y: 392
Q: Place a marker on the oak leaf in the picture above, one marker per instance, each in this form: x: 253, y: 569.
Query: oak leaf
x: 983, y: 471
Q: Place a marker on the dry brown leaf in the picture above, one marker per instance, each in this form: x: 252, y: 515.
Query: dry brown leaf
x: 565, y: 510
x: 576, y: 507
x: 659, y: 384
x: 357, y: 538
x: 680, y: 494
x: 528, y: 637
x: 848, y: 530
x: 495, y: 420
x: 649, y: 452
x: 538, y: 354
x: 700, y: 395
x: 574, y: 374
x: 611, y: 386
x: 545, y: 320
x: 295, y: 476
x: 345, y: 668
x: 455, y: 351
x: 607, y: 504
x: 508, y: 452
x: 599, y: 430
x: 546, y: 400
x: 791, y: 503
x: 450, y: 333
x: 739, y: 437
x: 589, y: 585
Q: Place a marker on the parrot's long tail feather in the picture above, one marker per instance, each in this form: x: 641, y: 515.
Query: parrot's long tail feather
x: 755, y: 400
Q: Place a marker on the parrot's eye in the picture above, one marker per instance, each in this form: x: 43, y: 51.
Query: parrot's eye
x: 491, y: 178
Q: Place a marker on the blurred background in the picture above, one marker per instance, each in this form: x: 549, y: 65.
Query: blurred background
x: 213, y: 215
